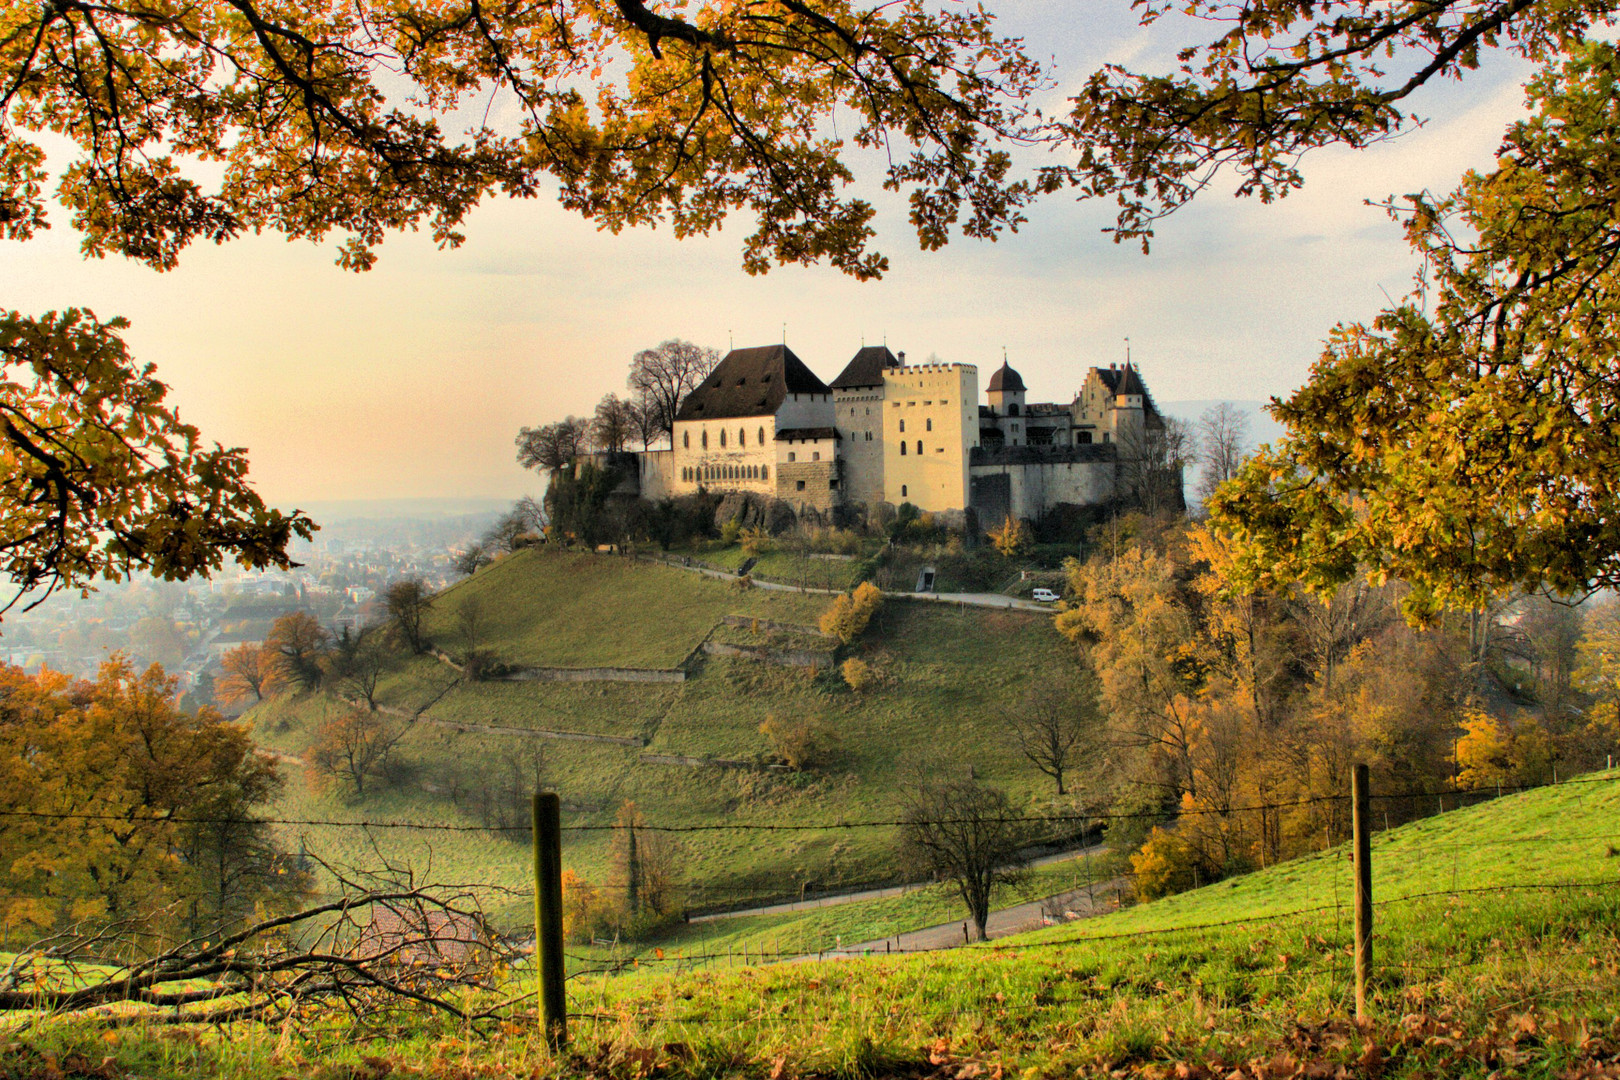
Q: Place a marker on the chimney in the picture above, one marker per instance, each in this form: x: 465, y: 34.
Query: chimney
x: 901, y: 356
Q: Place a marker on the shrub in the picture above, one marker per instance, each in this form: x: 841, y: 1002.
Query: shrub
x: 756, y: 541
x: 730, y: 531
x: 586, y: 913
x: 801, y: 745
x: 848, y: 614
x: 859, y: 674
x: 1163, y: 865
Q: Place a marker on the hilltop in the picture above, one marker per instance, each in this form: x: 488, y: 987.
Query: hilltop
x: 686, y: 752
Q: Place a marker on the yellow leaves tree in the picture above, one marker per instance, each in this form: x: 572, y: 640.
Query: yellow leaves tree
x: 1011, y: 537
x: 1463, y: 441
x: 133, y: 806
x: 250, y: 670
x: 1493, y: 752
x: 846, y: 617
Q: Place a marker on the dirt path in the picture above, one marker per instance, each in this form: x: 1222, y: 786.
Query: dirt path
x: 1082, y: 903
x: 836, y: 899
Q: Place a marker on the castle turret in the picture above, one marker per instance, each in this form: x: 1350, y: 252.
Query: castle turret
x: 1006, y: 391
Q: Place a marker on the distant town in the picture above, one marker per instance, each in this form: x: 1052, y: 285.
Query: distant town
x: 188, y: 626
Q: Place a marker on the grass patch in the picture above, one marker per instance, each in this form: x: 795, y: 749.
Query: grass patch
x: 543, y: 608
x: 1508, y: 980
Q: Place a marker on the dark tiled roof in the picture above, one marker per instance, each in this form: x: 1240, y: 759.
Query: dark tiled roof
x: 867, y: 368
x: 750, y: 382
x: 806, y: 434
x: 1126, y: 380
x: 1005, y: 379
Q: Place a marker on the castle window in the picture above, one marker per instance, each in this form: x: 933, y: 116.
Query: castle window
x: 902, y: 491
x: 832, y: 485
x: 815, y: 456
x: 705, y: 440
x: 1105, y: 436
x: 902, y: 449
x: 764, y: 472
x: 944, y: 401
x: 930, y: 424
x: 792, y: 457
x: 1012, y: 410
x: 742, y: 437
x: 868, y: 436
x: 686, y: 439
x: 799, y: 486
x: 722, y: 437
x: 902, y: 425
x: 919, y: 446
x: 762, y: 436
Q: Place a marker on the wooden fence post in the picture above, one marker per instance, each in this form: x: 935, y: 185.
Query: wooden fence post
x: 548, y: 917
x: 1361, y: 814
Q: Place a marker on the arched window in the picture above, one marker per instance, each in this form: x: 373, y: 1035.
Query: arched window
x: 742, y: 439
x: 705, y: 440
x: 722, y: 437
x: 902, y: 491
x: 902, y: 449
x: 929, y: 424
x: 1012, y: 410
x: 762, y: 435
x: 919, y: 446
x: 686, y: 440
x: 764, y: 472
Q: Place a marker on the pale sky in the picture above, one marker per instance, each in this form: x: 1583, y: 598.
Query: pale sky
x: 411, y: 380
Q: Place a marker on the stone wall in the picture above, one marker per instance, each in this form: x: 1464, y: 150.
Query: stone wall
x: 816, y: 477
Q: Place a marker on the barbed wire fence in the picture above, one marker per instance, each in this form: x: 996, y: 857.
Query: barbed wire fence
x: 356, y: 956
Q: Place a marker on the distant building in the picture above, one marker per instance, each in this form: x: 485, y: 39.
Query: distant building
x: 884, y: 431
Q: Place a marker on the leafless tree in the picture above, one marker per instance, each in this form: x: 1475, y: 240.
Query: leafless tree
x: 965, y: 833
x: 660, y: 378
x: 1223, y: 441
x: 552, y: 446
x: 1151, y: 462
x: 613, y: 426
x: 1334, y: 623
x: 472, y: 560
x: 408, y: 601
x: 647, y: 424
x: 1054, y: 723
x: 355, y: 747
x: 359, y: 663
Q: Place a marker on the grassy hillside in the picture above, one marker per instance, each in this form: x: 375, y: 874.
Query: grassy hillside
x: 948, y: 677
x: 575, y: 609
x: 1480, y: 971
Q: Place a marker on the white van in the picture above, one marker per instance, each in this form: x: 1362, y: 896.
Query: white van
x: 1044, y: 596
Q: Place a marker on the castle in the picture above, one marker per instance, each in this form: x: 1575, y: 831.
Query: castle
x: 885, y: 431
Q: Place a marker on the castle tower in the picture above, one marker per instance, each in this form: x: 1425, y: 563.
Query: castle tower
x: 1006, y: 391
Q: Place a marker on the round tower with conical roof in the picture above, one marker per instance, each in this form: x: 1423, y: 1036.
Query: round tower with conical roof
x: 1006, y: 391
